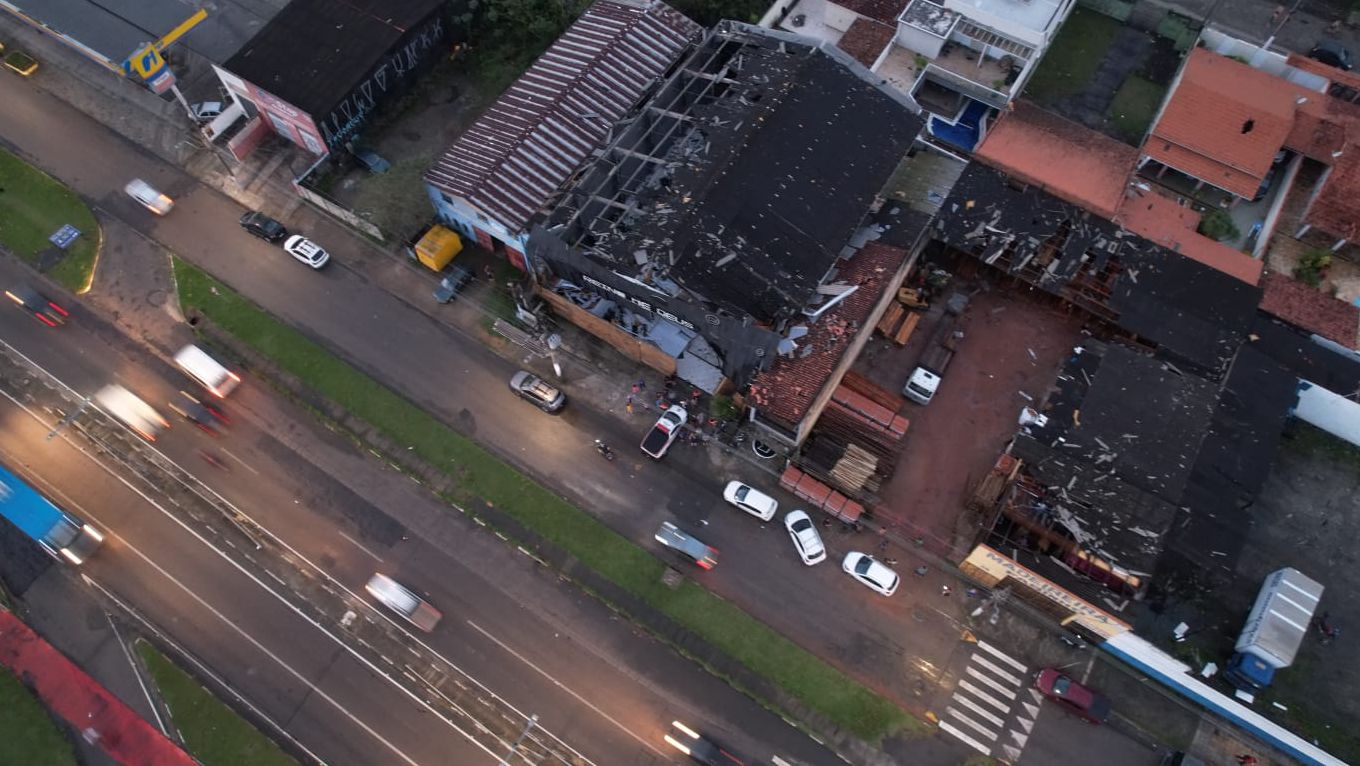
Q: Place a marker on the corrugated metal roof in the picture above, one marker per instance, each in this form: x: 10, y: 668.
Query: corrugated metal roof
x: 517, y: 155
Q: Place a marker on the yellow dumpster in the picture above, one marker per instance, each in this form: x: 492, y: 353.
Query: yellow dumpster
x: 438, y: 247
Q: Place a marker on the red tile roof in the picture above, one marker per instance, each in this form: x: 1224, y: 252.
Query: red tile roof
x: 786, y: 390
x: 1160, y: 219
x: 1225, y: 122
x: 1328, y: 130
x: 865, y: 40
x: 885, y: 11
x: 1313, y: 66
x: 1066, y: 159
x: 517, y: 155
x: 1311, y: 309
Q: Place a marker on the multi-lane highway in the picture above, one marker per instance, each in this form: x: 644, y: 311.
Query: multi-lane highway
x: 284, y: 625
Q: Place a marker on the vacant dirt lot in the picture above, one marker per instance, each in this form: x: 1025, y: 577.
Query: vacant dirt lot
x: 1012, y: 348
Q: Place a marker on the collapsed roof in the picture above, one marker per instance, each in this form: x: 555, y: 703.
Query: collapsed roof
x: 741, y: 182
x: 1190, y: 310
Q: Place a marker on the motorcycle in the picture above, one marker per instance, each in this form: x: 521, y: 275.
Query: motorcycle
x: 604, y: 450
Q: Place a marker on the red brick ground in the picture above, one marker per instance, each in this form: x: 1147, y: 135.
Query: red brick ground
x: 953, y: 441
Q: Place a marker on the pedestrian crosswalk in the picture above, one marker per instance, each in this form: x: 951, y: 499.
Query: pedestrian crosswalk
x: 993, y: 708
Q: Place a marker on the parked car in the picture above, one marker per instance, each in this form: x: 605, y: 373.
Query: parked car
x: 1078, y: 699
x: 40, y: 306
x: 669, y: 535
x: 205, y: 417
x: 206, y: 111
x: 132, y: 411
x: 148, y: 197
x: 806, y: 540
x: 751, y: 500
x: 871, y: 572
x: 263, y: 226
x: 534, y: 389
x: 663, y: 434
x: 306, y: 251
x: 700, y: 749
x: 399, y: 599
x: 1331, y: 53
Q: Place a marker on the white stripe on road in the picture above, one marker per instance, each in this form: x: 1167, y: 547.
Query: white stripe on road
x: 966, y: 739
x: 1003, y: 691
x: 1006, y: 658
x: 998, y: 704
x: 248, y: 466
x: 359, y: 545
x: 1000, y: 672
x: 973, y: 706
x: 962, y: 718
x: 565, y: 688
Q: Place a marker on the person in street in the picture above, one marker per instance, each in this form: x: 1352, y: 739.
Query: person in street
x: 1246, y: 759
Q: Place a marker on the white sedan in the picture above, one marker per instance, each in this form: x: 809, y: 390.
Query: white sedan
x: 306, y: 251
x: 805, y: 538
x: 751, y: 500
x: 871, y: 572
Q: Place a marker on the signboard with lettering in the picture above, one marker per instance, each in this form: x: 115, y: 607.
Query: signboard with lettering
x: 990, y: 567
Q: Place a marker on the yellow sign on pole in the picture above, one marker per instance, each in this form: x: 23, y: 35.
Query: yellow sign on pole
x: 147, y: 61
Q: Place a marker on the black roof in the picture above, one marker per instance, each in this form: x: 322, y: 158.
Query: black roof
x: 768, y: 155
x: 1192, y: 311
x: 313, y: 52
x: 1321, y: 362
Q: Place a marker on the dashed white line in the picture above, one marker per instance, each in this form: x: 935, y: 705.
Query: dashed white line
x: 359, y: 545
x: 248, y: 466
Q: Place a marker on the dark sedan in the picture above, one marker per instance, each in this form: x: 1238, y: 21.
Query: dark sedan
x: 263, y: 226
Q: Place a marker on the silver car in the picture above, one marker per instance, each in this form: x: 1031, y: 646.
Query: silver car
x: 306, y: 251
x: 871, y: 572
x: 534, y: 389
x: 396, y: 597
x: 805, y: 538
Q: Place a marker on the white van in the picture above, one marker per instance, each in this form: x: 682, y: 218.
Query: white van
x: 209, y: 372
x: 129, y: 408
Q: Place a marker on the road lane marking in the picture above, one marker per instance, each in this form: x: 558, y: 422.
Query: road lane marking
x: 998, y: 688
x: 565, y: 688
x: 984, y: 696
x: 976, y: 708
x: 86, y: 514
x: 265, y: 651
x: 963, y: 737
x: 199, y: 491
x: 1000, y: 672
x: 137, y: 671
x: 360, y: 546
x: 959, y: 716
x: 248, y: 466
x: 995, y: 652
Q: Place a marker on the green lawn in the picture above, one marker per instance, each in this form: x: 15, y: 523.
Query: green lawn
x: 481, y: 475
x: 1134, y: 105
x: 32, y: 207
x: 212, y: 732
x: 1073, y: 57
x: 27, y: 734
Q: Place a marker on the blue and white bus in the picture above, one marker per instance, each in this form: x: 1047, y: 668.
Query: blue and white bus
x: 54, y: 529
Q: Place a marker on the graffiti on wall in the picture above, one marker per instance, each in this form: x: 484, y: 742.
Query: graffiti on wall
x: 390, y: 76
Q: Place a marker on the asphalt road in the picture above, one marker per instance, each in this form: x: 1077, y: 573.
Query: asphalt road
x: 893, y: 645
x: 540, y: 645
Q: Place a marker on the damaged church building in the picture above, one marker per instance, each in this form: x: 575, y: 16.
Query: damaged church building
x: 1136, y: 472
x: 726, y: 220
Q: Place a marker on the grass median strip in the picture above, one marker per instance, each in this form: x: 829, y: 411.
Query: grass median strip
x: 33, y: 206
x: 480, y: 474
x: 213, y: 733
x: 27, y: 733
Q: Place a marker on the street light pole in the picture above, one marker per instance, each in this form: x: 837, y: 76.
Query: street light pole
x: 528, y: 727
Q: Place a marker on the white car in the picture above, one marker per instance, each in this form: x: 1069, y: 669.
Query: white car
x: 132, y: 410
x: 751, y: 500
x: 805, y: 538
x: 396, y: 597
x: 667, y: 427
x: 306, y: 251
x: 871, y: 572
x: 147, y: 196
